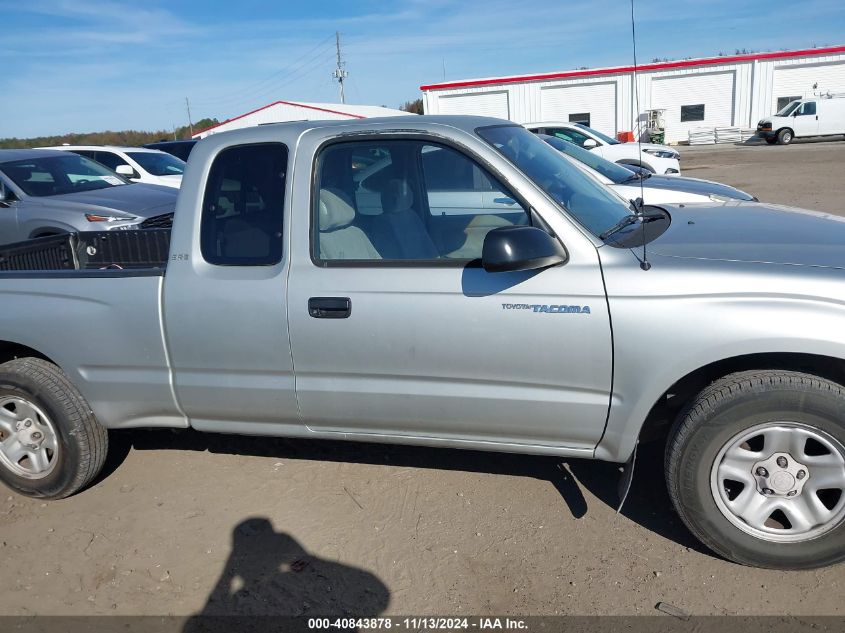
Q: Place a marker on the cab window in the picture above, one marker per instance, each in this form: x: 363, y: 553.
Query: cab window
x: 405, y: 201
x: 243, y: 206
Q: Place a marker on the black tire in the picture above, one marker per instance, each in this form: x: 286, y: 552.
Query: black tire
x: 82, y: 442
x: 714, y: 418
x: 784, y: 136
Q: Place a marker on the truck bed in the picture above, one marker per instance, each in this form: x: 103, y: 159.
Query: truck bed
x: 94, y: 250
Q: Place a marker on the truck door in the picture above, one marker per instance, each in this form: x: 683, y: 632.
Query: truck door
x: 224, y: 296
x: 806, y: 119
x: 396, y: 330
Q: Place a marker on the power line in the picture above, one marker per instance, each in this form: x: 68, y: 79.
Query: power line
x: 260, y: 87
x: 243, y: 101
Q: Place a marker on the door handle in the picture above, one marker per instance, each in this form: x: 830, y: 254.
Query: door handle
x: 507, y: 201
x: 329, y: 307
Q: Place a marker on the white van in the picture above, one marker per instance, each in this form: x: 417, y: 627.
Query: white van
x: 817, y: 116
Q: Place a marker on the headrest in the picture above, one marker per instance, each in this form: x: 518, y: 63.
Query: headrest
x: 335, y: 212
x: 397, y: 197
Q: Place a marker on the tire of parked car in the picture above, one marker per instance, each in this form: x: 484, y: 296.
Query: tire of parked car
x: 784, y: 137
x: 755, y: 467
x: 51, y: 445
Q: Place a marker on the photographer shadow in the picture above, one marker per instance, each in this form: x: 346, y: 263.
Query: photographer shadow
x: 269, y: 574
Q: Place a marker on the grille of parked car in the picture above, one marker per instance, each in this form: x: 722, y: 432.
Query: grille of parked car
x: 158, y: 222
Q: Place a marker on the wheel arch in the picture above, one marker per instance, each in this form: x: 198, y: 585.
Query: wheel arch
x: 9, y: 350
x: 672, y: 401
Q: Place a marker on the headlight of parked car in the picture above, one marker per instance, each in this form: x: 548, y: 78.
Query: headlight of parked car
x: 96, y: 217
x: 662, y: 153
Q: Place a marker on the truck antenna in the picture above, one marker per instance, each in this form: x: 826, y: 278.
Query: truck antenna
x: 644, y: 263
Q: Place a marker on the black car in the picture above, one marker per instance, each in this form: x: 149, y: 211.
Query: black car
x: 180, y: 149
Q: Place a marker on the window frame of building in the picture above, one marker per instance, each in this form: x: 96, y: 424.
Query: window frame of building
x: 690, y: 112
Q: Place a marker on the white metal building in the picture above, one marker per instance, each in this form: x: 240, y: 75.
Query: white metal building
x: 735, y: 90
x: 280, y: 111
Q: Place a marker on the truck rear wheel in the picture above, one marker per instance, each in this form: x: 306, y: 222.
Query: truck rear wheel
x: 784, y: 137
x: 51, y: 445
x: 755, y: 467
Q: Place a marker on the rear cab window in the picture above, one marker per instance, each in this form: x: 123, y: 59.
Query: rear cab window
x: 243, y: 206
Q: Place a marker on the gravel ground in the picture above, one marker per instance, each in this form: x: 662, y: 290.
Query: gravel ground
x: 805, y: 174
x: 184, y: 523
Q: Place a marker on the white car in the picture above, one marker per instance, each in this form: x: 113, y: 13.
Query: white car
x: 658, y: 159
x: 138, y: 164
x: 652, y: 188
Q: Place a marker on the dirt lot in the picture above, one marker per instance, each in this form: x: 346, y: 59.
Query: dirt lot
x: 808, y: 174
x: 182, y: 523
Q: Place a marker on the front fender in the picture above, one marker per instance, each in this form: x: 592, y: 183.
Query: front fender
x: 678, y: 321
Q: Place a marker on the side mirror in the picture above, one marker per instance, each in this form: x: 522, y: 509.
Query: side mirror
x: 126, y: 171
x: 590, y: 143
x: 512, y: 248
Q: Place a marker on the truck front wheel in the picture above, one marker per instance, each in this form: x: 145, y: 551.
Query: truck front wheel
x: 51, y: 445
x: 784, y: 137
x: 755, y: 467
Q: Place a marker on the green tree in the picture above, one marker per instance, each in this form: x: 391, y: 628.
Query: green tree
x: 415, y: 106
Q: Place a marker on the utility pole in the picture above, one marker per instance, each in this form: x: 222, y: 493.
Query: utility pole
x: 190, y: 124
x: 340, y: 72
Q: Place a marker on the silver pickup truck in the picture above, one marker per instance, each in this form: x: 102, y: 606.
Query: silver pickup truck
x: 454, y: 281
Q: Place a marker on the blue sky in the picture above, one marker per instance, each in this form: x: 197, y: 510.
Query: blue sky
x: 90, y: 65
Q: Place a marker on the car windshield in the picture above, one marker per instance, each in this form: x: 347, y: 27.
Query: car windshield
x: 788, y: 108
x: 586, y: 199
x: 607, y: 139
x: 60, y: 174
x: 613, y: 172
x: 158, y: 163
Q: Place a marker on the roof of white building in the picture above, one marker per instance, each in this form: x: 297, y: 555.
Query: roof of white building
x: 682, y: 63
x: 280, y: 111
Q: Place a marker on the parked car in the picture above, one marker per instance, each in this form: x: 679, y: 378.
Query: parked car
x: 179, y: 149
x: 658, y: 159
x: 653, y: 189
x: 45, y: 192
x: 541, y: 327
x: 802, y: 118
x: 138, y: 164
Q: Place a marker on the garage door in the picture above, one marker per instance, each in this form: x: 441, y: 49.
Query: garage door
x: 696, y: 100
x: 481, y: 104
x: 571, y: 103
x: 797, y: 81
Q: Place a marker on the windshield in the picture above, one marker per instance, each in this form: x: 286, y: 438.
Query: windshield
x: 788, y: 108
x: 63, y: 173
x: 586, y: 199
x: 158, y: 164
x: 604, y: 137
x: 613, y: 172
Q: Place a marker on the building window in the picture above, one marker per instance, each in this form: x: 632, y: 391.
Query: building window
x: 580, y: 117
x: 692, y: 112
x: 785, y: 101
x: 243, y: 206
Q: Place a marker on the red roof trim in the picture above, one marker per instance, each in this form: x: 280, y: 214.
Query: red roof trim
x: 270, y: 105
x: 684, y: 63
